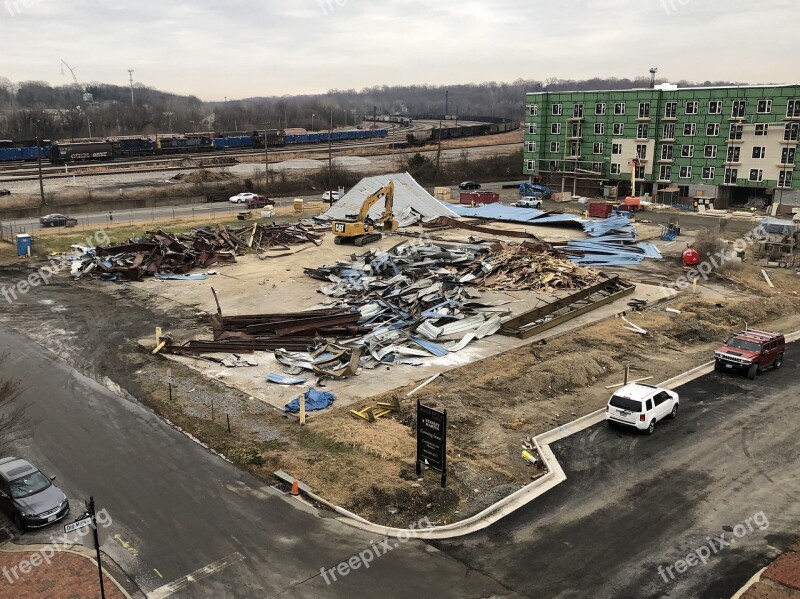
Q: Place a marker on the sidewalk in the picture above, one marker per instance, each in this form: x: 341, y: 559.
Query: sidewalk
x: 37, y: 572
x: 780, y: 580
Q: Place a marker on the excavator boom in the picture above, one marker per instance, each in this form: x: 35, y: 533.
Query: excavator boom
x: 360, y: 228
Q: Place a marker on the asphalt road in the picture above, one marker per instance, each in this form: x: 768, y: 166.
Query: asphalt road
x: 633, y: 503
x: 177, y: 508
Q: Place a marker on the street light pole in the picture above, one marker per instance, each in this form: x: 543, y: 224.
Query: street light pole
x: 39, y: 163
x: 330, y: 158
x: 266, y: 158
x: 312, y: 121
x: 90, y: 128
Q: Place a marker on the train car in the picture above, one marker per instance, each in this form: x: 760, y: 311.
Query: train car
x: 132, y: 146
x: 6, y: 143
x: 276, y: 138
x: 233, y: 141
x: 10, y: 154
x: 191, y: 142
x: 81, y: 151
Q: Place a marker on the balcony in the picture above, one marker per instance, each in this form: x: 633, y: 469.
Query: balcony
x: 643, y: 119
x: 575, y: 118
x: 670, y: 119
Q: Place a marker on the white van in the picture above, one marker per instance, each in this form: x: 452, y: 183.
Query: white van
x: 641, y: 406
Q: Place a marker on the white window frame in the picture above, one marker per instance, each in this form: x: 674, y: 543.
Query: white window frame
x: 738, y: 109
x: 733, y: 154
x: 642, y: 127
x: 785, y: 179
x: 531, y: 147
x: 600, y: 109
x: 644, y: 110
x: 641, y: 151
x: 532, y: 128
x: 759, y: 175
x: 767, y: 105
x: 619, y: 108
x: 793, y: 108
x: 616, y: 149
x: 577, y: 110
x: 619, y: 129
x: 710, y: 155
x: 731, y: 175
x: 599, y: 128
x: 687, y: 151
x: 759, y: 152
x: 557, y: 109
x: 670, y: 127
x: 711, y: 171
x: 529, y: 165
x: 788, y: 155
x: 694, y: 104
x: 717, y: 104
x: 555, y: 129
x: 738, y: 129
x: 597, y: 147
x: 533, y: 110
x: 685, y: 172
x: 665, y: 172
x: 667, y: 152
x: 555, y: 146
x: 674, y: 112
x: 692, y: 129
x: 616, y: 168
x: 712, y: 130
x: 762, y: 129
x: 791, y: 132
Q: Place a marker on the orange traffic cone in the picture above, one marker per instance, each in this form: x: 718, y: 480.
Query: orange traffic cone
x: 295, y: 487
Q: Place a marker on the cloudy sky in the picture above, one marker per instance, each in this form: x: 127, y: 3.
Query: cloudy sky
x: 242, y: 48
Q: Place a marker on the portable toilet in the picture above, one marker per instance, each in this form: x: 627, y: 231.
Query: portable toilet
x: 24, y: 243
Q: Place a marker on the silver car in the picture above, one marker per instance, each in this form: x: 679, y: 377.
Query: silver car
x: 29, y: 497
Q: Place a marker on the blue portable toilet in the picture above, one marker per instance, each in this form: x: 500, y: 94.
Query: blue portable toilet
x: 24, y: 244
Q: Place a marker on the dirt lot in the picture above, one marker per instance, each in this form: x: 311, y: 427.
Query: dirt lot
x: 493, y: 401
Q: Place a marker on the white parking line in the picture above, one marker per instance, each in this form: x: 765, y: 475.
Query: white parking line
x: 212, y: 568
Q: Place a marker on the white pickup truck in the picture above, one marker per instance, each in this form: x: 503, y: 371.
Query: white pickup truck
x: 528, y: 202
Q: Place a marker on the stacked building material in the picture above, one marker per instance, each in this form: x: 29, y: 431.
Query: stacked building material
x: 612, y: 243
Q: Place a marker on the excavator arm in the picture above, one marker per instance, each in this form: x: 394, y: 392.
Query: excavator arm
x: 386, y: 192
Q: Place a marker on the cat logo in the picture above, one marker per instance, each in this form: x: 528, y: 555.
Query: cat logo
x: 338, y: 227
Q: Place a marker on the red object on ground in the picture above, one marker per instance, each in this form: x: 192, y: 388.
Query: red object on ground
x: 479, y: 197
x: 600, y: 209
x: 690, y: 257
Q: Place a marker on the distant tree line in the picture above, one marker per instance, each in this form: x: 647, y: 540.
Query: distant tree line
x: 62, y: 112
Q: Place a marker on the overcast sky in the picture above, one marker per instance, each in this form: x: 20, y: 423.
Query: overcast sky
x: 242, y: 48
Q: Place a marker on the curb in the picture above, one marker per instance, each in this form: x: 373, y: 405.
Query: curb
x: 754, y: 579
x: 82, y: 553
x: 519, y: 498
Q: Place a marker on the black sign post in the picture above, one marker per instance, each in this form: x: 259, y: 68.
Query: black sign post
x: 93, y: 515
x: 432, y: 440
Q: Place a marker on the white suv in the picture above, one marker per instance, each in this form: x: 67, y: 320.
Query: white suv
x: 641, y: 406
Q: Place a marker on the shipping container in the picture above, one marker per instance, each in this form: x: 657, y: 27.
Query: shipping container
x: 478, y: 197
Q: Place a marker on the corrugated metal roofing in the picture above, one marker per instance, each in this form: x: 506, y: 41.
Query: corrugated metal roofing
x: 515, y: 215
x: 408, y: 194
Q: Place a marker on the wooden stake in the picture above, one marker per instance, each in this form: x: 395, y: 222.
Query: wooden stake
x: 766, y: 278
x: 303, y: 409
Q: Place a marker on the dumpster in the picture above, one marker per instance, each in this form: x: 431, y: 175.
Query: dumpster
x: 24, y: 243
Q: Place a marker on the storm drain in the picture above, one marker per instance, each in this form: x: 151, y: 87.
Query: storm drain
x: 284, y: 488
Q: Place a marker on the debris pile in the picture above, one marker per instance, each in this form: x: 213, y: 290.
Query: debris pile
x: 162, y: 253
x: 612, y: 243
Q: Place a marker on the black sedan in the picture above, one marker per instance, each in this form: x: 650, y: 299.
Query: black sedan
x: 469, y: 185
x: 29, y: 497
x: 58, y: 220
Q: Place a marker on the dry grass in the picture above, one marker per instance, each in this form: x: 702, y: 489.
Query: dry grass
x: 386, y: 439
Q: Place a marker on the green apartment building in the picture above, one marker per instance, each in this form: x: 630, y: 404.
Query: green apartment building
x: 730, y: 143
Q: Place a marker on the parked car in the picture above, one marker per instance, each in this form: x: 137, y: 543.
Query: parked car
x: 751, y: 351
x: 528, y: 202
x: 29, y: 497
x: 330, y: 197
x: 469, y: 185
x: 641, y: 406
x: 58, y: 220
x: 241, y: 198
x: 259, y: 202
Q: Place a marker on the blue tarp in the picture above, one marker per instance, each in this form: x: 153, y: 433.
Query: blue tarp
x: 315, y: 400
x: 171, y: 277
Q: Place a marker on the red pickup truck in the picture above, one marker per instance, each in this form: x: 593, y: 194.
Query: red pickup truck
x: 259, y: 202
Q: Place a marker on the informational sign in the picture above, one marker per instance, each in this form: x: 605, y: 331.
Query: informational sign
x: 78, y: 524
x: 432, y: 440
x: 169, y: 376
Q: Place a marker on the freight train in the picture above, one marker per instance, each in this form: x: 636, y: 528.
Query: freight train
x: 60, y: 152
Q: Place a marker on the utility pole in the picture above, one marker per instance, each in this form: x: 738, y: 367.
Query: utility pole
x: 446, y: 100
x: 39, y: 163
x: 266, y: 158
x: 330, y: 158
x: 130, y: 76
x: 312, y: 121
x: 439, y: 149
x: 90, y: 127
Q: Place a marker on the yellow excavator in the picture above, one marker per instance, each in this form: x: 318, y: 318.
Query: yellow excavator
x: 360, y: 229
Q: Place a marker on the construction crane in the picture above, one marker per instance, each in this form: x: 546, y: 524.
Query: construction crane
x: 71, y: 70
x: 360, y: 229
